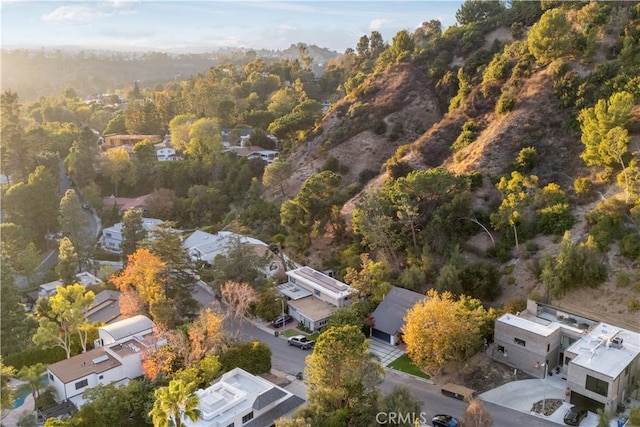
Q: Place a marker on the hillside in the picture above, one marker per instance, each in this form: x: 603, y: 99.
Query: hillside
x: 538, y: 117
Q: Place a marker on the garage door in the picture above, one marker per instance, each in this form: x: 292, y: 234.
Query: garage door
x: 381, y: 335
x: 586, y: 402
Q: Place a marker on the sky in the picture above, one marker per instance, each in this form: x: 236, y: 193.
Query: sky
x: 200, y: 26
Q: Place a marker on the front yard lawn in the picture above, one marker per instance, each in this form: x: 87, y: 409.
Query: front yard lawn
x: 404, y: 364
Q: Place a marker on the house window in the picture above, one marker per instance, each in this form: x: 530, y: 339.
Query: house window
x: 247, y: 417
x: 548, y: 347
x: 108, y: 234
x: 81, y: 384
x: 597, y: 386
x: 316, y: 292
x: 292, y: 280
x: 101, y: 377
x: 500, y: 349
x: 232, y: 425
x: 567, y: 360
x: 520, y: 342
x: 51, y: 377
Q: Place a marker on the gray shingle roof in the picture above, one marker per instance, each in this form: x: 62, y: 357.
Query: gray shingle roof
x: 389, y: 316
x: 269, y: 418
x: 267, y: 398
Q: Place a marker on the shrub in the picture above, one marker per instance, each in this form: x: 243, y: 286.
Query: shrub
x: 366, y: 176
x: 532, y: 247
x: 379, y: 127
x: 480, y: 280
x: 583, y: 187
x: 555, y: 219
x: 505, y: 103
x: 630, y: 246
x: 474, y: 180
x: 34, y: 355
x: 396, y: 131
x: 634, y: 417
x: 527, y: 159
x: 253, y: 357
x: 606, y: 223
x: 501, y: 251
x: 332, y: 164
x: 623, y: 280
x: 398, y: 168
x: 515, y: 305
x: 633, y: 303
x: 469, y: 134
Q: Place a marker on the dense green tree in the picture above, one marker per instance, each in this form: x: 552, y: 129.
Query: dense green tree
x: 133, y: 232
x: 118, y: 168
x: 144, y: 152
x: 110, y: 405
x: 13, y: 153
x: 141, y: 118
x: 277, y: 174
x: 65, y: 318
x: 179, y: 128
x: 174, y: 402
x: 253, y: 357
x: 517, y: 194
x: 550, y: 37
x: 116, y: 126
x: 7, y: 398
x: 26, y: 261
x: 15, y: 328
x: 205, y: 141
x: 400, y: 400
x: 342, y: 378
x: 67, y: 261
x: 75, y: 224
x: 34, y: 378
x: 373, y: 279
x: 83, y: 159
x: 476, y: 11
x: 345, y: 316
x: 402, y: 46
x: 34, y: 205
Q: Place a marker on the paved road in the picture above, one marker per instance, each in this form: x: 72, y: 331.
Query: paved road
x: 291, y: 360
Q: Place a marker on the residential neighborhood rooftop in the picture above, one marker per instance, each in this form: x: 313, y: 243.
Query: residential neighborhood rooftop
x: 606, y: 349
x: 389, y: 315
x: 529, y: 325
x: 92, y: 362
x: 319, y: 280
x: 128, y: 327
x: 313, y: 308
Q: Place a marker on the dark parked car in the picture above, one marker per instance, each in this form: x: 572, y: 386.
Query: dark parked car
x: 445, y: 421
x: 85, y: 206
x: 280, y: 321
x: 574, y: 416
x: 301, y: 342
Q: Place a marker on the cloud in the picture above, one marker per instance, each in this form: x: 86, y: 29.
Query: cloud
x: 83, y: 13
x: 73, y: 14
x: 377, y: 24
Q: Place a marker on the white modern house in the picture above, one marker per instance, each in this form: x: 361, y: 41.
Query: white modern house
x: 111, y: 238
x: 117, y: 358
x: 203, y: 246
x: 85, y: 279
x: 165, y: 151
x: 600, y: 362
x: 313, y: 296
x: 241, y: 399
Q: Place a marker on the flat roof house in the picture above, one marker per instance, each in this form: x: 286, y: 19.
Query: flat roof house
x: 313, y: 296
x: 111, y: 238
x: 241, y: 399
x: 117, y: 359
x: 85, y: 279
x: 600, y: 362
x: 388, y: 317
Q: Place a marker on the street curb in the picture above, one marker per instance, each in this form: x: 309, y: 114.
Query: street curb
x: 404, y: 374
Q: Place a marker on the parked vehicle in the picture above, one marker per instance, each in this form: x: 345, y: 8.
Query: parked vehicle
x: 301, y: 342
x: 281, y: 321
x: 85, y: 206
x: 442, y: 420
x: 574, y: 416
x: 458, y: 392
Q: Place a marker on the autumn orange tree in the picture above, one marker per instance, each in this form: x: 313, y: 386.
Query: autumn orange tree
x: 440, y: 328
x: 143, y: 285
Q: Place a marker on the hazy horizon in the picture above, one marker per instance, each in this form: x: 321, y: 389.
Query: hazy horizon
x: 202, y: 26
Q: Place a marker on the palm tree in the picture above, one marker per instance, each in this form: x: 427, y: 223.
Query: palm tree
x: 172, y: 403
x: 33, y: 378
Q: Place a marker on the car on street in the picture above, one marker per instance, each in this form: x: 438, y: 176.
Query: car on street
x: 575, y: 415
x: 85, y: 206
x: 281, y: 321
x: 301, y: 342
x: 442, y: 420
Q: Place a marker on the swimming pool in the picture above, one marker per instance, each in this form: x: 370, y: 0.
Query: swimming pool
x: 20, y: 399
